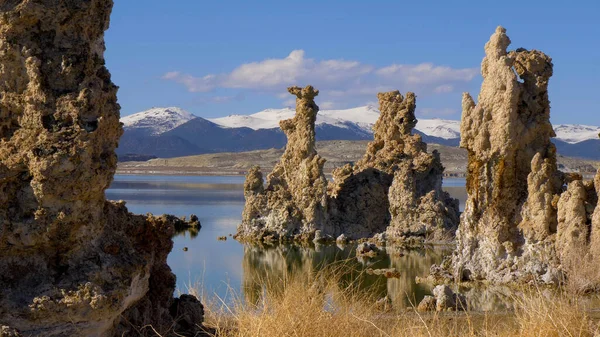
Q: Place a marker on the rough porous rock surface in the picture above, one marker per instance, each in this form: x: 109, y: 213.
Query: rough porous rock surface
x: 443, y: 299
x: 577, y: 244
x: 71, y: 263
x: 294, y: 202
x: 518, y: 225
x: 396, y: 187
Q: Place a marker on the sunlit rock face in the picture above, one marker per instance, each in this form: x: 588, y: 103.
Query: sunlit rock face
x: 294, y: 202
x: 518, y: 225
x: 397, y: 186
x: 71, y: 263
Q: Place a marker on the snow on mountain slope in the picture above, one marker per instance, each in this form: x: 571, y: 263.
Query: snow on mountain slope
x: 575, y: 133
x: 360, y: 119
x: 157, y: 120
x: 441, y: 128
x: 269, y: 118
x: 363, y: 117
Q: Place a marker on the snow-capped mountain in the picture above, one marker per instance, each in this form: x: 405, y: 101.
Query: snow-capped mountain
x: 161, y: 120
x: 442, y: 128
x: 576, y: 133
x: 157, y: 120
x: 172, y: 132
x: 361, y: 117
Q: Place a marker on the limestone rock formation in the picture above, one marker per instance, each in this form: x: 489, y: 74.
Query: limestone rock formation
x: 418, y: 205
x: 509, y: 126
x: 443, y: 299
x: 518, y: 225
x: 294, y: 202
x: 71, y: 263
x: 577, y: 246
x: 396, y: 187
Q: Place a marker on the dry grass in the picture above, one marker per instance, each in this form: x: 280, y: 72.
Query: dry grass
x: 583, y: 272
x: 317, y: 305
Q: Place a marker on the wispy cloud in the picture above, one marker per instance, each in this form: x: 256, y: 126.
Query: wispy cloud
x: 338, y: 80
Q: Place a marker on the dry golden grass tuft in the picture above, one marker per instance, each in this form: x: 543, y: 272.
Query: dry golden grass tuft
x: 583, y: 272
x: 320, y: 305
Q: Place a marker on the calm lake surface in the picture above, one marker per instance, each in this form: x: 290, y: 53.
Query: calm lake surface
x: 226, y: 267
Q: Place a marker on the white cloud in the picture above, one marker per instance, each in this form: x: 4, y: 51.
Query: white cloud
x: 339, y: 81
x: 268, y: 73
x: 443, y: 89
x: 425, y: 73
x: 328, y: 105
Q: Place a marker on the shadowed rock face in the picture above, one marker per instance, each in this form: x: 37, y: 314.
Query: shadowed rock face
x: 71, y: 263
x: 298, y: 202
x: 294, y: 202
x: 509, y: 126
x: 518, y: 224
x: 396, y: 187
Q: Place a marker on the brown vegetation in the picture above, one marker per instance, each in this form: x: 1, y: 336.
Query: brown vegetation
x: 316, y: 305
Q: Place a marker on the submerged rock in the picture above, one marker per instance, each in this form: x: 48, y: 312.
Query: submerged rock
x: 72, y: 263
x: 396, y: 187
x: 294, y: 202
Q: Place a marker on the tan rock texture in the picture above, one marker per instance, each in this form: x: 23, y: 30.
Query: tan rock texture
x: 294, y: 202
x: 71, y: 263
x: 518, y: 224
x: 396, y: 187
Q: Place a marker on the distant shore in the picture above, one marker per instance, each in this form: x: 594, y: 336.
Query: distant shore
x: 337, y: 153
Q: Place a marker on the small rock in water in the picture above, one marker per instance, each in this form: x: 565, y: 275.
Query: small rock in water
x: 319, y: 238
x: 341, y: 239
x: 367, y: 249
x: 194, y: 221
x: 389, y: 272
x: 443, y: 299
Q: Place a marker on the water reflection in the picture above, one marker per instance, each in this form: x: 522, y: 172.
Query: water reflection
x: 198, y: 259
x: 268, y: 268
x: 191, y: 232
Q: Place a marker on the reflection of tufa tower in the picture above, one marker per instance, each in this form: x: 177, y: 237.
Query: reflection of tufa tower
x: 404, y: 291
x: 271, y: 268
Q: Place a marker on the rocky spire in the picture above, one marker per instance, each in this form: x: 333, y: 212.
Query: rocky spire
x: 71, y: 263
x: 294, y: 203
x: 396, y: 187
x: 512, y: 178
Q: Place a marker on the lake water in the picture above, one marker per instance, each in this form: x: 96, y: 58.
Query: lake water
x: 222, y: 267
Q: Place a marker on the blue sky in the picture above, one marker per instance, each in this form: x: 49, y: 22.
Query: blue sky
x: 215, y: 58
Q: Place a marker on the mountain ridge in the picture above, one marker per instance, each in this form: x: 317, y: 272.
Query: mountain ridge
x: 172, y: 132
